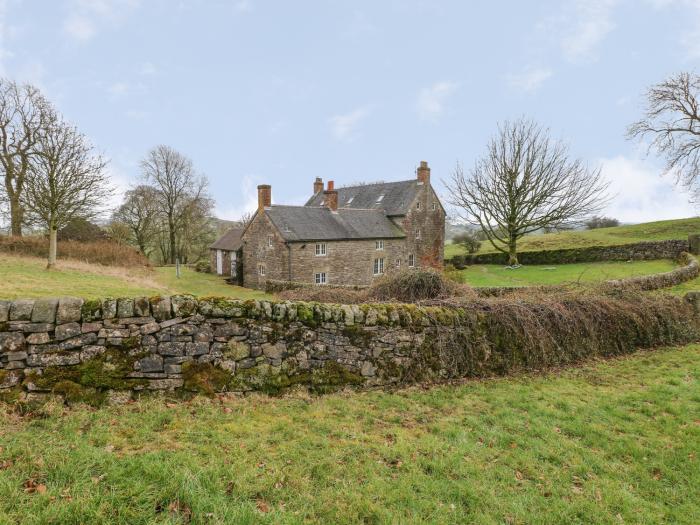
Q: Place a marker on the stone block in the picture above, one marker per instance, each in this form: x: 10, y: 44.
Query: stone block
x: 228, y: 330
x: 196, y: 348
x: 90, y: 327
x: 275, y: 351
x: 4, y: 311
x: 694, y: 242
x: 203, y: 335
x: 40, y: 338
x: 237, y: 350
x: 21, y: 310
x: 11, y: 342
x: 368, y: 369
x: 151, y: 363
x: 142, y: 308
x: 171, y: 349
x: 171, y: 322
x: 173, y: 369
x: 125, y: 307
x: 10, y: 379
x: 150, y: 328
x: 33, y: 328
x: 66, y: 331
x: 69, y: 310
x: 183, y: 305
x: 91, y: 351
x: 161, y: 308
x: 44, y: 311
x: 54, y: 359
x: 165, y: 384
x: 183, y: 329
x: 109, y: 308
x: 77, y: 342
x: 16, y: 356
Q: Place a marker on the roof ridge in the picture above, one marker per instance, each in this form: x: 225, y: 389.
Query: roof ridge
x: 374, y: 184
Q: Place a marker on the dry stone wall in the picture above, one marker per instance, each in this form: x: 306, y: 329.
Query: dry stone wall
x: 112, y: 349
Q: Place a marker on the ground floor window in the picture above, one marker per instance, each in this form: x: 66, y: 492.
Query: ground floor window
x: 320, y: 278
x: 398, y: 263
x: 261, y: 269
x: 411, y: 260
x: 379, y: 266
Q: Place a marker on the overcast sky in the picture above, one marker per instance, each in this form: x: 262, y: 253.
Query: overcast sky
x: 280, y: 92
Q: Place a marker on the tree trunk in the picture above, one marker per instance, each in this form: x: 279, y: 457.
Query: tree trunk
x: 16, y: 216
x: 53, y: 234
x: 171, y: 228
x: 512, y: 253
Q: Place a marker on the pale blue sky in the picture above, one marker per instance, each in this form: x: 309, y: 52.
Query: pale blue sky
x: 283, y: 91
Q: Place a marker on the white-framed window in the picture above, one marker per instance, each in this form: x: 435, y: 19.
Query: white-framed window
x: 270, y: 239
x: 418, y: 205
x: 418, y: 233
x: 379, y: 266
x: 261, y: 269
x: 398, y: 262
x: 378, y: 245
x: 434, y: 206
x: 320, y: 278
x: 411, y: 260
x: 321, y: 249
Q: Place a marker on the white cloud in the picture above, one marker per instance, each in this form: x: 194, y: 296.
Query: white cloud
x: 531, y: 79
x: 243, y: 6
x: 248, y: 189
x: 344, y: 127
x: 118, y: 89
x: 85, y: 16
x: 641, y: 193
x: 431, y: 100
x: 148, y: 69
x: 593, y: 22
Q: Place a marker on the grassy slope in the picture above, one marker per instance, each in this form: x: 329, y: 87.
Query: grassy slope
x: 27, y: 277
x: 613, y: 442
x: 495, y: 275
x: 650, y: 231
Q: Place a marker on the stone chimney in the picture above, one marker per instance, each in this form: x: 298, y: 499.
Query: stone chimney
x: 331, y: 185
x: 264, y: 196
x: 331, y: 197
x: 423, y: 172
x: 318, y: 185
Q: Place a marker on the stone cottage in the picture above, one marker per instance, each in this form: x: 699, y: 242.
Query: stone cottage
x: 345, y: 236
x: 225, y: 254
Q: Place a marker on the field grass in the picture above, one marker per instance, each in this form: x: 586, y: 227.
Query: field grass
x: 26, y: 277
x: 650, y: 231
x: 498, y: 275
x: 612, y: 442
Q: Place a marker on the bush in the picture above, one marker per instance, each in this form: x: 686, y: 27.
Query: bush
x: 202, y: 267
x: 409, y: 286
x: 601, y: 222
x: 82, y: 231
x: 107, y: 253
x: 470, y: 241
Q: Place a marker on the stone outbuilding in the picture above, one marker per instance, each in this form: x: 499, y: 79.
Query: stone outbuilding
x: 225, y: 254
x: 345, y: 236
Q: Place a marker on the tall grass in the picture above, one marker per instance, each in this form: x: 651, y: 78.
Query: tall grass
x: 103, y: 252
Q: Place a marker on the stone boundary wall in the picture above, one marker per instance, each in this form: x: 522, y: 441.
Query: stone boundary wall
x: 640, y: 251
x: 689, y: 271
x: 112, y: 349
x: 277, y: 286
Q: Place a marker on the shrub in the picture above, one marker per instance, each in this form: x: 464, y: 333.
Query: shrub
x: 601, y: 222
x: 468, y: 240
x: 202, y: 267
x: 324, y: 294
x: 98, y: 252
x: 82, y: 231
x: 409, y: 286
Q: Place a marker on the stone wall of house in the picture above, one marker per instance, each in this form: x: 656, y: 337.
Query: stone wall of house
x: 112, y: 349
x: 262, y: 244
x: 650, y: 250
x: 429, y: 249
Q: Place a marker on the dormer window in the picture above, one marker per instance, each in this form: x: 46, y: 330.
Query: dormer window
x: 378, y: 245
x: 434, y: 206
x: 380, y: 198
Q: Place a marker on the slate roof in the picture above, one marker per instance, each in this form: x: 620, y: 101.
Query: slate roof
x: 307, y: 223
x: 398, y: 196
x: 229, y: 241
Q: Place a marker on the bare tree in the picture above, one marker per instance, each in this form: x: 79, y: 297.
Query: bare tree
x: 524, y: 183
x: 246, y: 218
x: 64, y: 180
x: 139, y: 212
x: 177, y: 183
x: 672, y: 121
x: 24, y: 116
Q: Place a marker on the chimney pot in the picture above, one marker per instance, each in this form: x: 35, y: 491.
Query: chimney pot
x: 264, y: 196
x: 331, y: 199
x: 423, y: 172
x: 331, y: 185
x: 318, y: 185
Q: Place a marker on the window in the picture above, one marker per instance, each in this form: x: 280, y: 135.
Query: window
x: 378, y: 245
x: 320, y: 249
x: 418, y: 233
x: 434, y: 206
x: 380, y: 198
x: 261, y: 269
x: 398, y: 263
x: 320, y: 278
x: 418, y: 205
x: 379, y: 266
x: 269, y: 241
x: 411, y: 260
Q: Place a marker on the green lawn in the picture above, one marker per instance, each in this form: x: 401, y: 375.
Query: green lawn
x: 650, y: 231
x: 612, y: 442
x: 27, y: 278
x: 498, y: 275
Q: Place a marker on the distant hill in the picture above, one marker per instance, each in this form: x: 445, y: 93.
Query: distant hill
x: 630, y: 233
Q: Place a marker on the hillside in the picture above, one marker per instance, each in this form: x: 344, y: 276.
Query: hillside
x: 649, y: 231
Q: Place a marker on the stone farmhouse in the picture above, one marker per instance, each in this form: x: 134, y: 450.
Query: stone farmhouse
x: 344, y: 236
